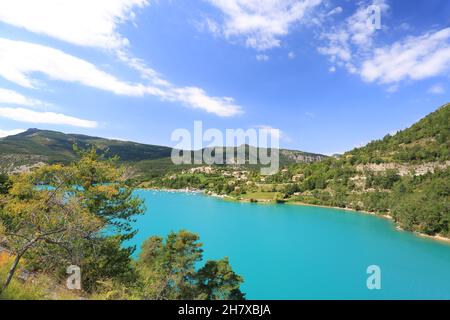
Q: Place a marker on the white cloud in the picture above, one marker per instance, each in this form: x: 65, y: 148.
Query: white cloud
x: 211, y: 26
x: 414, y: 58
x: 352, y: 38
x: 19, y: 60
x: 437, y: 89
x: 360, y: 33
x: 291, y: 55
x: 392, y: 89
x: 198, y: 99
x: 92, y: 24
x: 13, y: 97
x: 139, y: 65
x: 118, y: 139
x: 351, y: 45
x: 25, y: 115
x: 405, y: 27
x: 30, y: 116
x: 6, y: 133
x: 260, y: 23
x: 80, y: 22
x: 335, y: 11
x: 262, y: 57
x: 337, y: 48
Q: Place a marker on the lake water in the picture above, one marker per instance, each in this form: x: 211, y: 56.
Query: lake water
x: 296, y: 252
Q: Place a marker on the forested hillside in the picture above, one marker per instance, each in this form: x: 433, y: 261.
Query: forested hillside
x: 405, y: 176
x: 45, y: 230
x: 427, y: 140
x: 58, y: 147
x: 35, y: 147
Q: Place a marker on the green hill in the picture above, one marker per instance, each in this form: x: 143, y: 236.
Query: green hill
x: 426, y: 141
x: 34, y: 146
x: 405, y: 176
x: 58, y: 147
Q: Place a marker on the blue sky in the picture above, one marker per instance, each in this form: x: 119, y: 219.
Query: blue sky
x: 137, y: 69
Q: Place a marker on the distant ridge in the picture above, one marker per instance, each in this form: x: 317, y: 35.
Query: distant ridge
x: 44, y: 146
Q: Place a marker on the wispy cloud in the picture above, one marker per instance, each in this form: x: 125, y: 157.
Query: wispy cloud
x: 12, y: 97
x: 80, y: 22
x: 414, y: 58
x: 351, y: 45
x: 335, y: 11
x: 31, y: 116
x: 19, y: 60
x: 90, y: 24
x: 6, y: 133
x: 436, y: 89
x: 260, y: 23
x: 346, y: 42
x: 262, y: 57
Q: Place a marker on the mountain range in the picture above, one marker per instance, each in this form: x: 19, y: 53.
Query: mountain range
x: 35, y: 146
x: 427, y: 140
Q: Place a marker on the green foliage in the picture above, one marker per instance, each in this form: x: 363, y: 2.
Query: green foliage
x: 423, y: 204
x: 81, y: 214
x: 58, y: 147
x: 168, y: 270
x: 54, y: 217
x: 384, y: 180
x: 290, y: 189
x: 417, y: 203
x: 426, y: 141
x: 217, y: 281
x: 18, y: 290
x: 5, y: 183
x: 146, y: 161
x: 103, y: 190
x: 107, y: 261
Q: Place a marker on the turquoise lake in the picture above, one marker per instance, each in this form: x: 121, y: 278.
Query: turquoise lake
x: 296, y: 252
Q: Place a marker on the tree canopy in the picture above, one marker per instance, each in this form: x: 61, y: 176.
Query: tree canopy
x: 81, y: 214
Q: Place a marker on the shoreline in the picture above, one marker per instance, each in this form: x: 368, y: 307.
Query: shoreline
x: 172, y: 190
x: 423, y: 235
x: 384, y: 216
x: 298, y: 203
x: 434, y: 238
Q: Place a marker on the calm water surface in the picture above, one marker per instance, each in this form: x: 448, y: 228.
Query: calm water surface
x: 296, y: 252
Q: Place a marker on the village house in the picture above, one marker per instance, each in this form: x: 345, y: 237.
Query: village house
x: 298, y: 177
